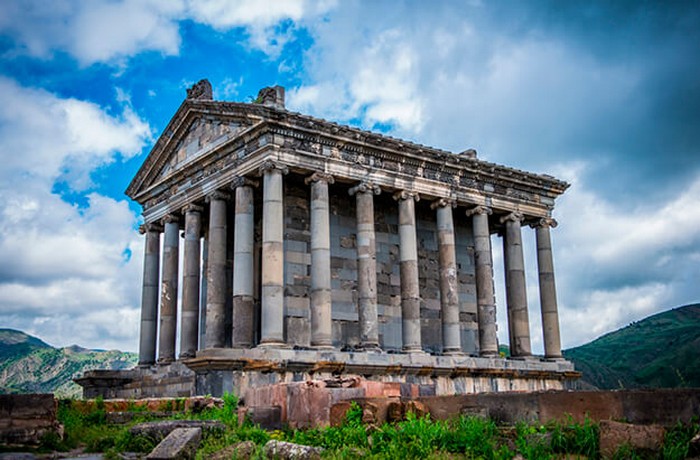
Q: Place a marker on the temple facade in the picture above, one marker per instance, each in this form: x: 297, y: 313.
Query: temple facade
x: 282, y: 247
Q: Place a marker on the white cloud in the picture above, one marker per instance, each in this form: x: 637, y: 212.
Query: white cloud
x: 60, y: 263
x: 110, y: 32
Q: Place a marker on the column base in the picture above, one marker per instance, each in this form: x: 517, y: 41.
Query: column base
x: 552, y: 359
x: 453, y: 353
x: 323, y: 347
x: 525, y: 358
x: 370, y: 348
x: 413, y: 350
x: 490, y: 354
x: 273, y: 344
x: 165, y: 361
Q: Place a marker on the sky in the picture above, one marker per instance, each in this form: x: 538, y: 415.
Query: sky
x: 605, y: 95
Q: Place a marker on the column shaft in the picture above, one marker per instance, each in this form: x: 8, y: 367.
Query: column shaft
x: 485, y: 300
x: 516, y: 293
x: 449, y: 288
x: 149, y: 295
x: 168, y: 293
x: 189, y: 323
x: 408, y: 255
x: 203, y: 292
x: 215, y: 335
x: 321, y: 325
x: 243, y: 274
x: 272, y: 317
x: 366, y: 265
x: 548, y: 290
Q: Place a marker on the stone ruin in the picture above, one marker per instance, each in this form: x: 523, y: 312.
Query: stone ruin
x: 314, y: 250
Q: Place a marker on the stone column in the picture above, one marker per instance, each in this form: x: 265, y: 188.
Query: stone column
x: 168, y: 292
x: 203, y: 291
x: 189, y: 323
x: 321, y: 326
x: 272, y: 302
x: 215, y: 333
x: 516, y: 293
x: 408, y: 254
x: 449, y: 287
x: 149, y: 294
x: 548, y: 290
x: 366, y: 265
x: 483, y: 262
x: 243, y: 272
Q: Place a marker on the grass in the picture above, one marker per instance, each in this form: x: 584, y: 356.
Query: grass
x: 415, y: 437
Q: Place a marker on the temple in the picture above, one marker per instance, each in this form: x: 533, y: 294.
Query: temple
x: 312, y: 250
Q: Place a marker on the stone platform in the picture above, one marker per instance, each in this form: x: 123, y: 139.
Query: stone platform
x: 218, y: 371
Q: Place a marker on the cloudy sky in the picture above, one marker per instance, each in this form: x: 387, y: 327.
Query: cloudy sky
x: 605, y: 95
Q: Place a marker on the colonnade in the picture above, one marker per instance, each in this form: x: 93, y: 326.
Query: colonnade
x: 272, y: 273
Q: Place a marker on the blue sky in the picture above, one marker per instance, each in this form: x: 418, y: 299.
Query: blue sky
x: 605, y: 95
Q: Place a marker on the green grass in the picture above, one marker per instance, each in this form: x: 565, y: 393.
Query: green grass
x: 414, y: 438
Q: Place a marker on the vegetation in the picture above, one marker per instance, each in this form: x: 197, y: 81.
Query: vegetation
x: 413, y: 438
x: 28, y: 365
x: 658, y: 351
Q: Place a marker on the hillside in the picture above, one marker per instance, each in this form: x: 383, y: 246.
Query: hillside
x: 28, y: 365
x: 659, y: 351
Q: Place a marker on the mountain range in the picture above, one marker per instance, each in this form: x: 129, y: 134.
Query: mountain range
x: 29, y: 365
x: 662, y: 350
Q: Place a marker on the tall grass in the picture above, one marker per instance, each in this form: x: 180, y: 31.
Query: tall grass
x: 413, y: 438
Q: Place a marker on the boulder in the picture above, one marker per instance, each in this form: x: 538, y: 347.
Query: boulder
x: 280, y: 450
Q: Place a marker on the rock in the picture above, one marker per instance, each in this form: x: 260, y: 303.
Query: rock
x: 281, y: 450
x: 417, y: 407
x: 614, y: 435
x: 694, y: 447
x: 339, y: 412
x: 159, y: 430
x: 394, y: 412
x: 240, y: 451
x: 180, y: 444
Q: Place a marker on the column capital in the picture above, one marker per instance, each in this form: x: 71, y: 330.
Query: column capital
x: 405, y: 195
x: 150, y: 227
x: 269, y: 165
x: 191, y: 208
x: 479, y: 210
x: 442, y: 203
x: 365, y: 187
x: 545, y: 222
x: 514, y: 216
x: 170, y: 219
x: 217, y: 195
x: 319, y: 176
x: 242, y: 181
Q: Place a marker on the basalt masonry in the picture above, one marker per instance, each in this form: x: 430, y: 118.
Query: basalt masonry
x: 315, y: 250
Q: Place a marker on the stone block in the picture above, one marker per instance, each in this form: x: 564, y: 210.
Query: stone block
x: 298, y: 331
x: 613, y: 435
x: 180, y: 444
x: 268, y: 417
x: 161, y: 429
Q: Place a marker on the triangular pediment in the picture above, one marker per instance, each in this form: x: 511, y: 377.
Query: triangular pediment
x: 190, y: 135
x: 204, y: 133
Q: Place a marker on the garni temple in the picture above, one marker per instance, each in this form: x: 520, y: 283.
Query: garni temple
x: 284, y: 248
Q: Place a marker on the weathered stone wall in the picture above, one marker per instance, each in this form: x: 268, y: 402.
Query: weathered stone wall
x: 343, y: 230
x: 26, y: 418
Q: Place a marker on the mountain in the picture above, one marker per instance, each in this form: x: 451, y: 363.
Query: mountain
x: 28, y: 365
x: 662, y: 350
